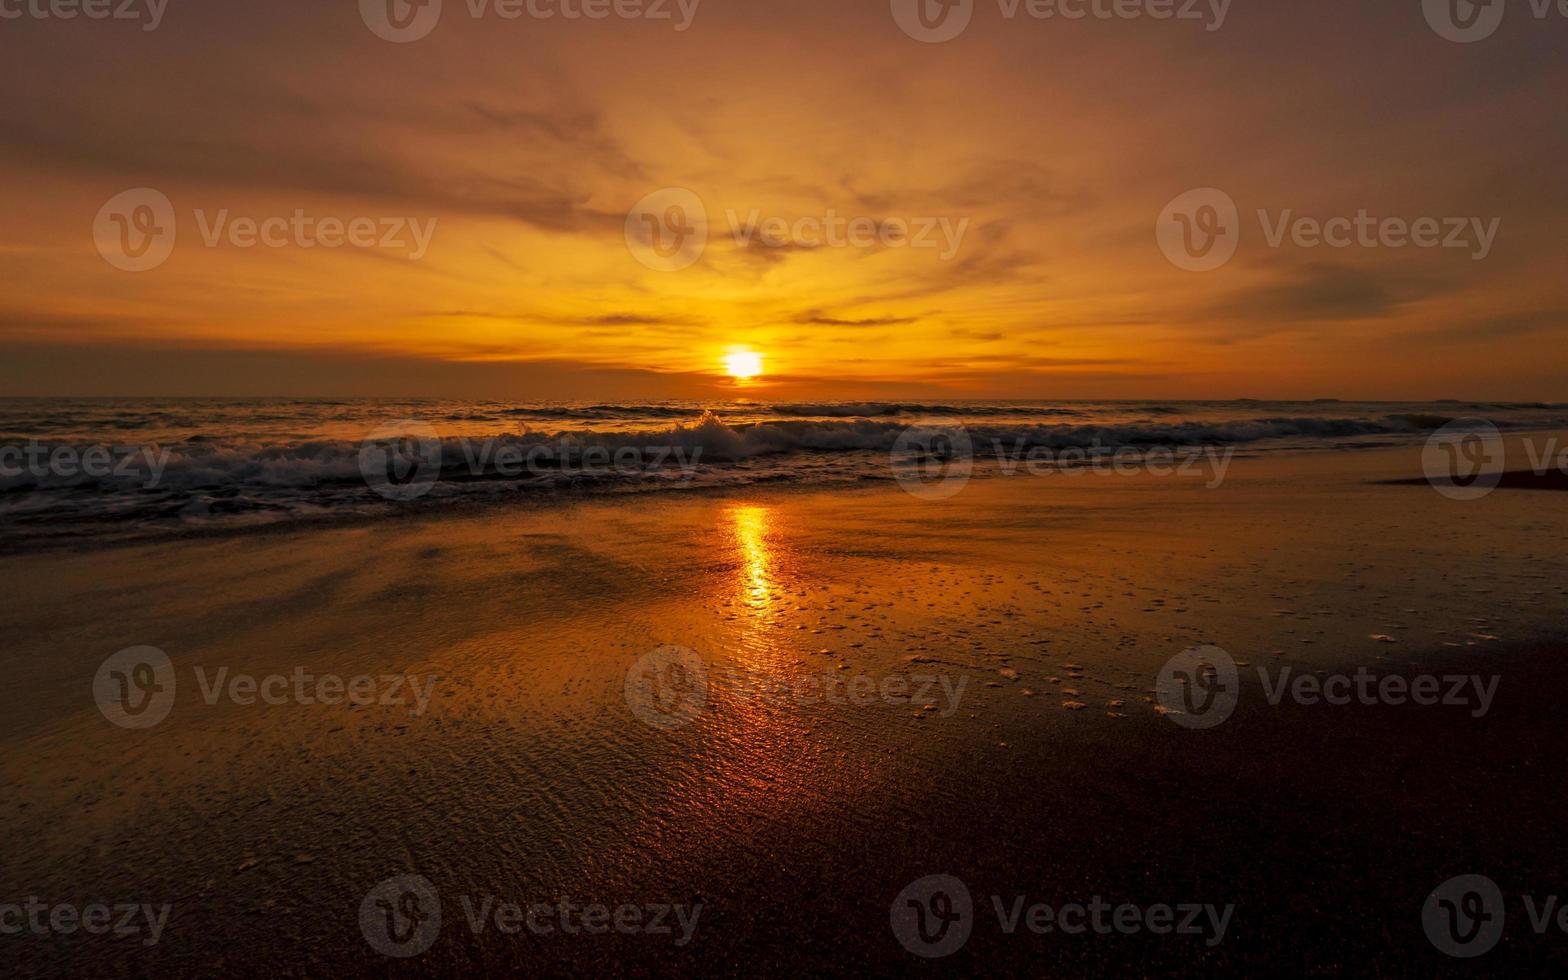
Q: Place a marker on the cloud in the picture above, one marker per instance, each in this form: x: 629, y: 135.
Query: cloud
x: 823, y: 319
x: 16, y: 324
x: 136, y: 370
x: 570, y: 320
x: 247, y: 133
x: 1323, y: 291
x: 1501, y: 325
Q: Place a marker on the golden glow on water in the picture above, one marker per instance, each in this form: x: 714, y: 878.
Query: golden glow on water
x: 751, y: 525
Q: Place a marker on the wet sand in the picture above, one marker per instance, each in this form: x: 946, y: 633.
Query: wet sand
x: 1054, y: 600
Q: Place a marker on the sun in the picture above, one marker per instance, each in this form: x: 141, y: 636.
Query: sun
x: 743, y: 364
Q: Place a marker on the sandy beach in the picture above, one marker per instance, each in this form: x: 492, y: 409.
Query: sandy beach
x: 896, y: 687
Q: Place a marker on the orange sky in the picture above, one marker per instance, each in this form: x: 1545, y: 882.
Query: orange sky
x: 1053, y: 144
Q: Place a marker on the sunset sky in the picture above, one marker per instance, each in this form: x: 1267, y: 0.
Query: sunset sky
x: 1055, y: 144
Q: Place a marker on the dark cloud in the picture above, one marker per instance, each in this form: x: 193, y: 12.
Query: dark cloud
x: 1501, y: 326
x: 988, y: 255
x: 824, y: 319
x: 986, y: 336
x: 592, y: 320
x: 16, y: 323
x: 244, y: 131
x: 133, y: 370
x: 1324, y: 291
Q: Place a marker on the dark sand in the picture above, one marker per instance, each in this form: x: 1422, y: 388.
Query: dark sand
x: 795, y: 825
x: 1550, y: 479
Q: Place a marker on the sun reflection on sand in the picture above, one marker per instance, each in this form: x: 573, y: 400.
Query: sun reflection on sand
x: 761, y: 754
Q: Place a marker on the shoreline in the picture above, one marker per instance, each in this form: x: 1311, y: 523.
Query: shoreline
x: 462, y: 507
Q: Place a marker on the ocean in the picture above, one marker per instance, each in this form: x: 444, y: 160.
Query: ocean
x: 108, y: 468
